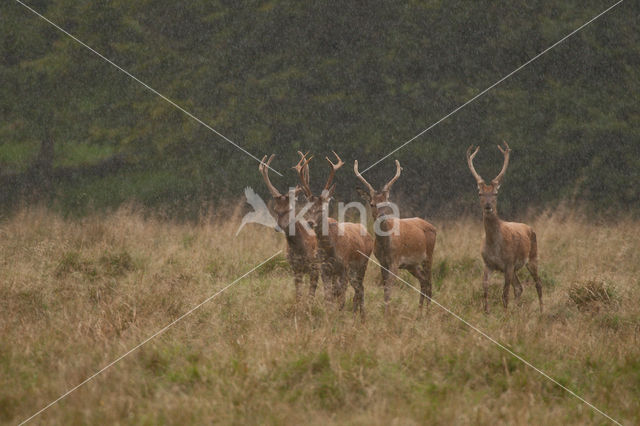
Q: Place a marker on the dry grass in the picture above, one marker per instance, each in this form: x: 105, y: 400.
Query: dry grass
x: 74, y: 295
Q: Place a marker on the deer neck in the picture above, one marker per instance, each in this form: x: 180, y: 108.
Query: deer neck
x: 384, y: 223
x: 491, y: 226
x: 298, y: 239
x: 325, y: 239
x: 384, y: 241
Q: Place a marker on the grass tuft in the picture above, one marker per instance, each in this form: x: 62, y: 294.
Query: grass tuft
x: 116, y: 264
x: 592, y: 294
x: 72, y: 262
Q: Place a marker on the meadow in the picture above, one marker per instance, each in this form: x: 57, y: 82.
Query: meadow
x: 75, y: 294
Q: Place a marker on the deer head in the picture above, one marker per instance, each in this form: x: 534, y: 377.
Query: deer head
x: 283, y: 206
x: 376, y: 199
x: 488, y: 193
x: 319, y: 203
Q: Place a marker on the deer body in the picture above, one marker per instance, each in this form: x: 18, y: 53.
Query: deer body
x: 340, y: 244
x: 302, y: 244
x: 340, y: 254
x: 508, y: 246
x: 343, y: 241
x: 301, y: 253
x: 507, y: 243
x: 410, y: 246
x: 403, y: 243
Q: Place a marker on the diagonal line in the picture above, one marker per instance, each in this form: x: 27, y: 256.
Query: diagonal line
x: 151, y: 89
x: 500, y: 345
x: 157, y: 333
x: 493, y: 85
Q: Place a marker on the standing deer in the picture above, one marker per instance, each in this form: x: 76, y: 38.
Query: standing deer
x: 301, y: 244
x: 508, y: 246
x: 409, y: 246
x: 339, y: 243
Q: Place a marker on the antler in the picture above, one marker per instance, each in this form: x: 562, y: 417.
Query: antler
x: 387, y: 187
x: 303, y: 171
x: 506, y: 153
x: 264, y: 169
x: 359, y: 176
x: 306, y: 168
x: 334, y: 167
x: 470, y: 158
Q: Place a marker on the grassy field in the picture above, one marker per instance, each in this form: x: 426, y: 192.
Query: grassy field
x: 76, y: 294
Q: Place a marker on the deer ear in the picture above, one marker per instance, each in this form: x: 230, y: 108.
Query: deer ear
x: 364, y: 194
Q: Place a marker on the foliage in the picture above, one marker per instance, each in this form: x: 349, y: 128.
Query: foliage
x: 281, y: 76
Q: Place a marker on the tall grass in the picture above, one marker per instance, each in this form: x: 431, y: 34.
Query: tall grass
x: 76, y: 294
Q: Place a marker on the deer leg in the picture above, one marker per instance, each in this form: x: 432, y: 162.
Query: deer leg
x: 532, y: 266
x: 485, y: 288
x: 341, y: 288
x: 517, y: 287
x: 334, y: 286
x: 313, y: 281
x: 508, y: 279
x: 417, y: 272
x: 327, y: 281
x: 387, y: 281
x: 358, y: 291
x: 360, y: 282
x: 353, y: 280
x: 297, y: 280
x: 426, y: 284
x: 384, y: 274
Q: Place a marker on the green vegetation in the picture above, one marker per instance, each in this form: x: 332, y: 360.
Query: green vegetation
x: 84, y: 277
x: 281, y: 76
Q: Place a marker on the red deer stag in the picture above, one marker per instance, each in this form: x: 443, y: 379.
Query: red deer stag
x: 339, y: 243
x: 508, y: 246
x: 402, y: 243
x: 301, y: 241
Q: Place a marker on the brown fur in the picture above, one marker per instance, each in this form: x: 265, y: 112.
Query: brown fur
x: 508, y: 246
x: 411, y: 248
x: 302, y: 244
x: 342, y: 260
x: 341, y: 247
x: 302, y: 254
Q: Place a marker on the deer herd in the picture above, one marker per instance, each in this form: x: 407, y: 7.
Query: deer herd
x: 339, y: 251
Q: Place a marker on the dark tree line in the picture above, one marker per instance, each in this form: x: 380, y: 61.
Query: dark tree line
x: 357, y: 77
